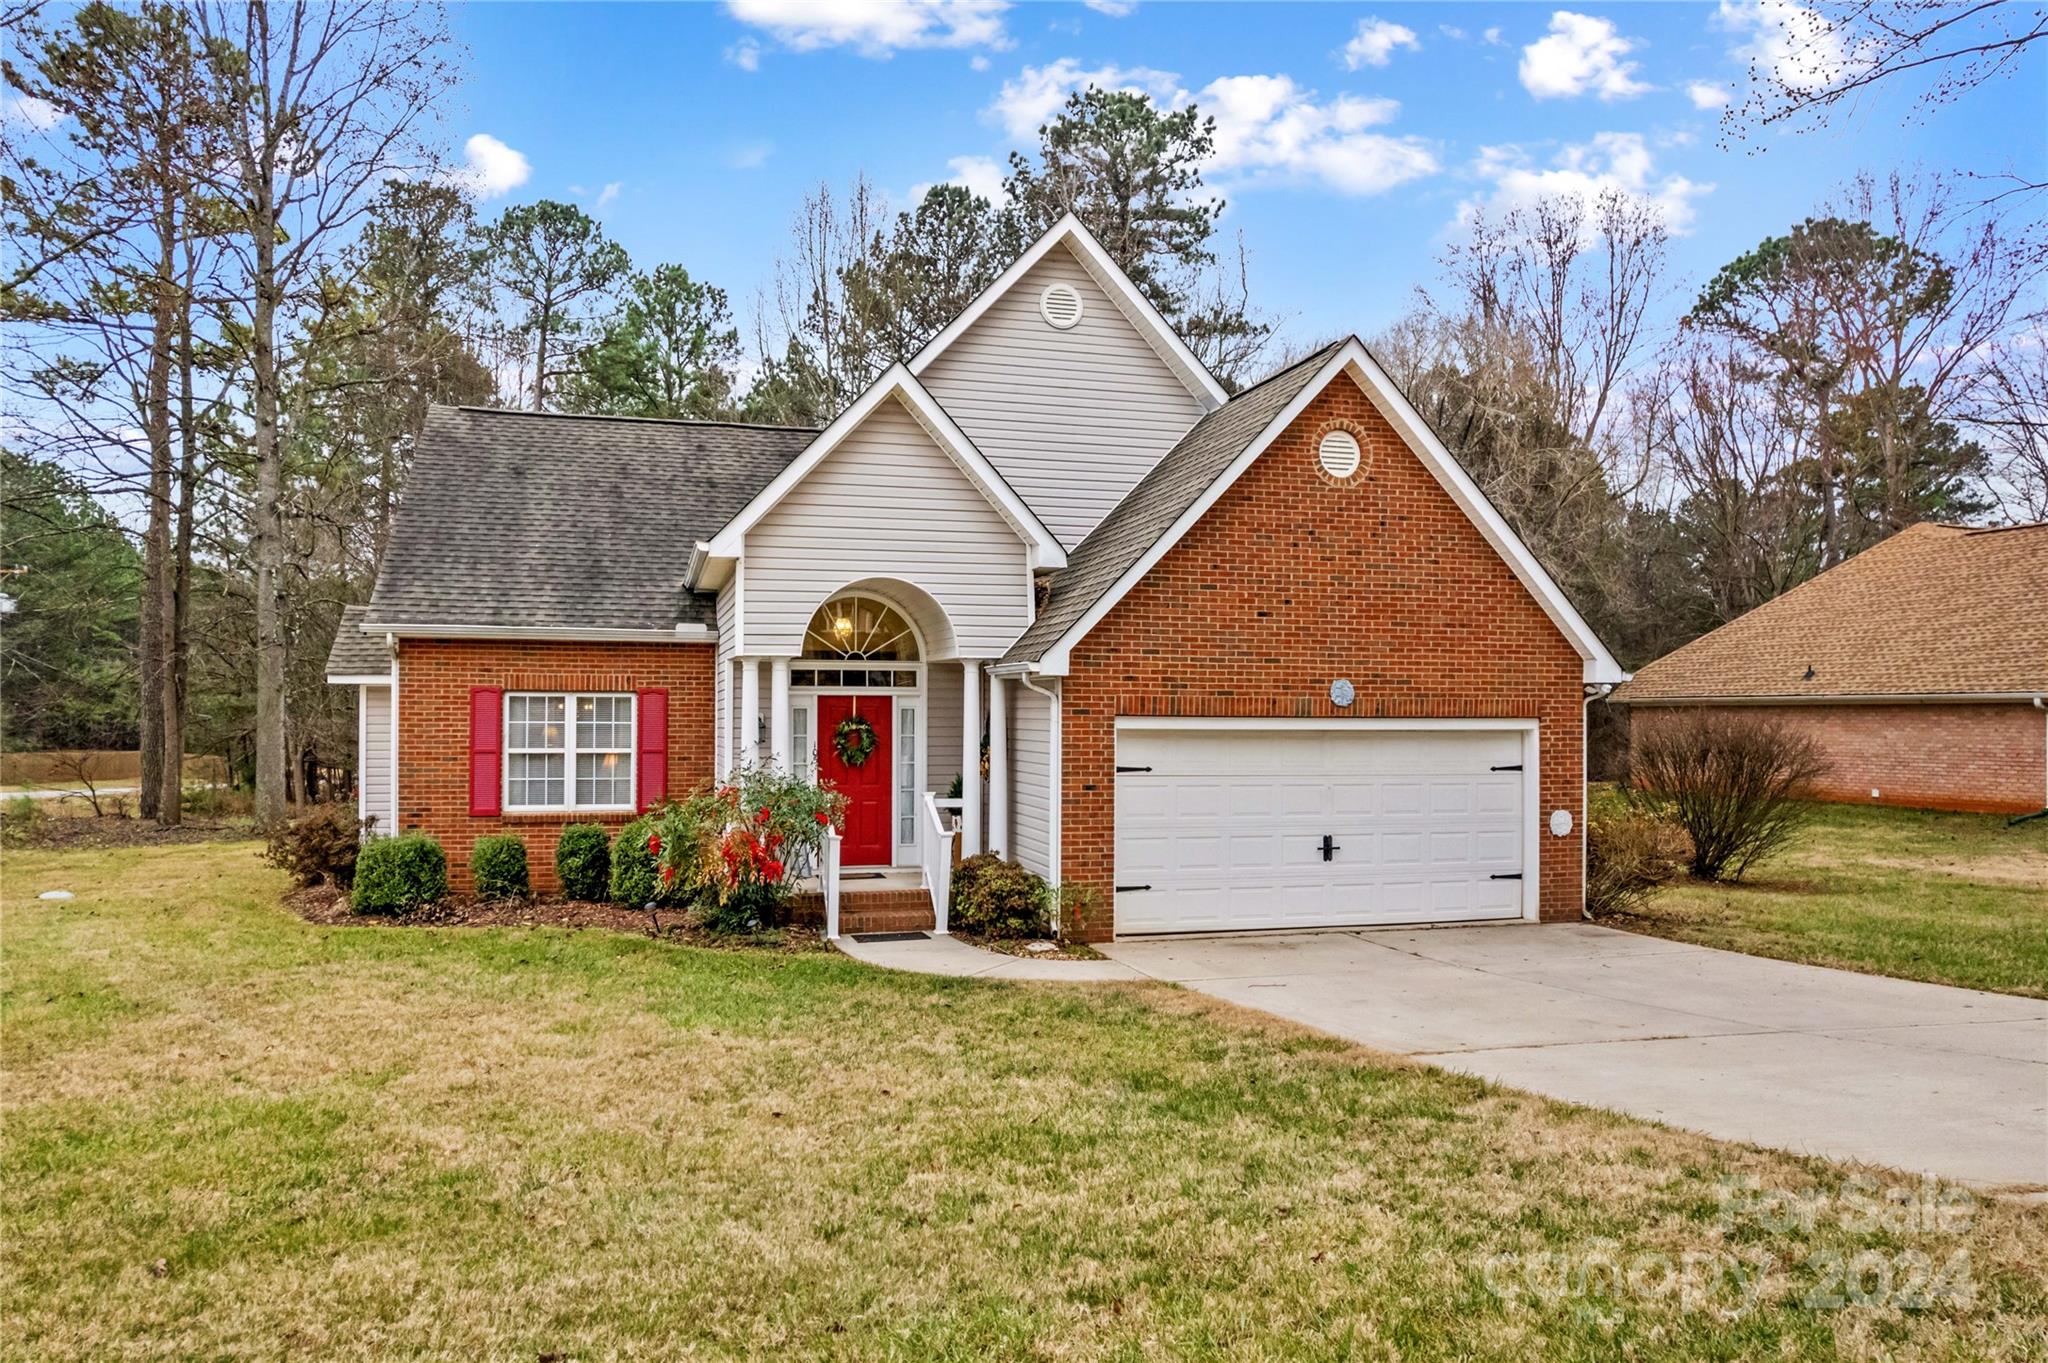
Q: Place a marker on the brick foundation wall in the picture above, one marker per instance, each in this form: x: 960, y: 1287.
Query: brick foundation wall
x: 1290, y: 582
x: 434, y: 681
x: 1986, y: 757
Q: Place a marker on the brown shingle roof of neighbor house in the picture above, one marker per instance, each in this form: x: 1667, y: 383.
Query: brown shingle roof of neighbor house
x: 356, y: 654
x: 1936, y: 610
x: 530, y: 519
x: 1149, y: 510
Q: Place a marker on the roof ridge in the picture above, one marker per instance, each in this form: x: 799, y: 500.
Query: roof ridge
x: 2000, y: 529
x: 651, y: 420
x: 1285, y: 369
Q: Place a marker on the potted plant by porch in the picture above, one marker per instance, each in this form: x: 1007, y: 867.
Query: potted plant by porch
x: 735, y: 844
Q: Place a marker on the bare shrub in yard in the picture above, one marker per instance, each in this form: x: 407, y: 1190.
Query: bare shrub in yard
x: 320, y: 846
x: 1737, y: 784
x: 1628, y: 856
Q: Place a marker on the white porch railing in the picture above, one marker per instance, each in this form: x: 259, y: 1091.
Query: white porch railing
x: 937, y: 854
x: 828, y: 878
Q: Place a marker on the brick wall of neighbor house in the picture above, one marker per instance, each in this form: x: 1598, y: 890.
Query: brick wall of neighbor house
x: 1973, y: 757
x: 434, y: 681
x: 1290, y: 582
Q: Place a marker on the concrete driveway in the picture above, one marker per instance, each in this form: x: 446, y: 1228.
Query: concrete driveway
x: 1921, y: 1077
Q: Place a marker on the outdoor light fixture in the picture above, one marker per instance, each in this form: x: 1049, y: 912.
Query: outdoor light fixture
x: 843, y: 625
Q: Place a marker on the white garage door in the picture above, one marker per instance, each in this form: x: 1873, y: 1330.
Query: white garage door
x: 1222, y: 830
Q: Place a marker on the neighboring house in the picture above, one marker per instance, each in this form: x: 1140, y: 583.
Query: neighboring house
x: 1920, y: 666
x: 1259, y: 661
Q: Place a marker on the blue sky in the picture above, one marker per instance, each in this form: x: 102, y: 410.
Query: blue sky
x: 1353, y: 134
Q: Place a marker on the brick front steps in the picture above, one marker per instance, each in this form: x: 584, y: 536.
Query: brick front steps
x: 869, y: 910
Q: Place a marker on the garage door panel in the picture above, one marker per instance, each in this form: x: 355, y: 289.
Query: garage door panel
x: 1227, y: 827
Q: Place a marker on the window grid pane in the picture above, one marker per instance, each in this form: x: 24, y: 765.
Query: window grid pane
x: 540, y: 745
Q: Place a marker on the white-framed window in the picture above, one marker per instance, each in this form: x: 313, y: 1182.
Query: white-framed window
x: 568, y: 750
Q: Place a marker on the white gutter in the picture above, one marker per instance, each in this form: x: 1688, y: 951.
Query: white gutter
x: 685, y: 631
x: 1898, y: 698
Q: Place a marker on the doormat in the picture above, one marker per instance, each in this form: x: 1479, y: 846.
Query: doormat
x: 891, y: 936
x: 861, y: 875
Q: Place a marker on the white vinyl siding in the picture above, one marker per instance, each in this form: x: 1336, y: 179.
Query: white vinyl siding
x: 942, y: 726
x: 373, y: 776
x: 888, y: 503
x: 725, y: 701
x: 1031, y: 780
x: 1072, y: 419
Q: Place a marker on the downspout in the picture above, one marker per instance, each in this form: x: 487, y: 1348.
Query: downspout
x: 2040, y: 703
x: 1056, y: 814
x: 1594, y: 691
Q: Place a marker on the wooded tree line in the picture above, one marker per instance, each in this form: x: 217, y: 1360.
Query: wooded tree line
x: 240, y: 275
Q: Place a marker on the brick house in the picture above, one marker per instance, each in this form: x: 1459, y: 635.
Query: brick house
x: 1207, y: 661
x: 1920, y: 666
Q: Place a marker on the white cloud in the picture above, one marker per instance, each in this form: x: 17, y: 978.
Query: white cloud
x: 28, y: 111
x: 1705, y: 94
x: 1786, y: 41
x: 1453, y: 32
x: 1610, y: 161
x: 977, y: 62
x: 1580, y: 54
x: 1491, y: 37
x: 490, y: 168
x: 609, y: 192
x: 981, y: 174
x: 1375, y: 41
x: 1037, y: 92
x: 876, y: 28
x: 745, y: 54
x: 1267, y: 126
x: 1115, y: 9
x: 750, y: 155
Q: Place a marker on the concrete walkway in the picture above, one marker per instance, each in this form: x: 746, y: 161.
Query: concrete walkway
x: 1925, y: 1078
x: 951, y: 956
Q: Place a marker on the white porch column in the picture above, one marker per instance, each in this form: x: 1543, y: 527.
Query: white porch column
x: 778, y: 714
x: 721, y: 761
x: 750, y: 712
x: 998, y: 765
x: 970, y: 757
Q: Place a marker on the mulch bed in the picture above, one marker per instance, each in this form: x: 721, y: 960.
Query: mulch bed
x: 1020, y: 946
x: 61, y: 832
x: 328, y: 905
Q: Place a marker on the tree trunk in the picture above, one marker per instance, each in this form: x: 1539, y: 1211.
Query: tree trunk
x: 156, y: 541
x: 267, y: 528
x: 177, y: 653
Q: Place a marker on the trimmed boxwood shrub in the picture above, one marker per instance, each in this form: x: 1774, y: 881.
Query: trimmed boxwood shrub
x: 397, y: 875
x: 583, y: 861
x: 499, y: 864
x: 997, y: 898
x: 634, y: 880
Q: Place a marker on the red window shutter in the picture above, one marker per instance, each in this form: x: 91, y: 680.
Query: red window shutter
x: 486, y: 749
x: 653, y: 732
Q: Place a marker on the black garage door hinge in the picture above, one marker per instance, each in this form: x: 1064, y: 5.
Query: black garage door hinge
x: 1512, y: 875
x: 1126, y: 889
x: 1123, y: 769
x: 1514, y: 767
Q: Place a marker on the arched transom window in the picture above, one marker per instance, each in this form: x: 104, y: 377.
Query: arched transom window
x: 855, y: 628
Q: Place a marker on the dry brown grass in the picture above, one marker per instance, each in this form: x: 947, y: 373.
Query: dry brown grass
x: 233, y: 1134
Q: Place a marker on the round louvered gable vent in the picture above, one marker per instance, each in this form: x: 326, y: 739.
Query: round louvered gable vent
x: 1060, y: 305
x: 1338, y: 454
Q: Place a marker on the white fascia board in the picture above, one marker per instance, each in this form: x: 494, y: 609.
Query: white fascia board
x: 1072, y: 233
x: 1864, y: 698
x: 1598, y: 664
x: 686, y: 632
x: 901, y: 384
x: 359, y: 679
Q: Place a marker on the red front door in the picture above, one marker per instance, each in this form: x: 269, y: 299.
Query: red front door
x: 868, y: 840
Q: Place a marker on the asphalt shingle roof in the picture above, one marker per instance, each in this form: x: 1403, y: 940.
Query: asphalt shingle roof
x: 534, y: 519
x: 356, y: 654
x: 1174, y: 484
x: 1935, y: 610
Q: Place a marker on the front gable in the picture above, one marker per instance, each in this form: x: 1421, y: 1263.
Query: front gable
x: 1296, y: 578
x: 1072, y: 409
x: 886, y: 503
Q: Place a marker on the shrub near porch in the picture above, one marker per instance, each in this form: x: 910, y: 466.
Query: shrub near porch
x: 231, y: 1134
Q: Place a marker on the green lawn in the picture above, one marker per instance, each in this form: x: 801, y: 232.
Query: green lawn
x: 229, y: 1134
x: 1952, y: 898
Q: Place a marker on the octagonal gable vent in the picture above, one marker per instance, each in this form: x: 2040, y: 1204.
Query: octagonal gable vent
x: 1060, y: 305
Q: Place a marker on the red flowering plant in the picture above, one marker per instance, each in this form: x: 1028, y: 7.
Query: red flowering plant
x: 741, y: 843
